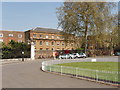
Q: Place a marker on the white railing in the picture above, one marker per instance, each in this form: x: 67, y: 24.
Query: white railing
x: 96, y: 75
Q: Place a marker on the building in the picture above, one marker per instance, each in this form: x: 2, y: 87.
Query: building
x: 47, y: 39
x: 6, y: 36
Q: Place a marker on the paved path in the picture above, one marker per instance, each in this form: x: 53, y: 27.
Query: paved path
x: 29, y: 75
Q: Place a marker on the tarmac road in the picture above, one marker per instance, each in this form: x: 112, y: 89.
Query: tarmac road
x: 29, y: 75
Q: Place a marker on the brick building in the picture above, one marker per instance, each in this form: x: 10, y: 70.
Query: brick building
x: 6, y: 36
x: 47, y: 39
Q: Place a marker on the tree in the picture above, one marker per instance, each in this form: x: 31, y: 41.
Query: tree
x: 14, y: 49
x: 82, y: 19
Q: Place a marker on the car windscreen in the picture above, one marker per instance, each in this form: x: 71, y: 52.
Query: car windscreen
x: 81, y: 53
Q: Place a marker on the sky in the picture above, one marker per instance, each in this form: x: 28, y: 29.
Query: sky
x: 22, y: 16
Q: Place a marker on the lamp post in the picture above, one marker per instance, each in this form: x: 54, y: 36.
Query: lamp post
x: 22, y: 55
x: 32, y: 49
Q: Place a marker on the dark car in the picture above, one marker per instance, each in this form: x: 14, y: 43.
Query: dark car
x: 117, y: 54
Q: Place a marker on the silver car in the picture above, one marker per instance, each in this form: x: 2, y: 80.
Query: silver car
x: 67, y: 56
x: 80, y: 55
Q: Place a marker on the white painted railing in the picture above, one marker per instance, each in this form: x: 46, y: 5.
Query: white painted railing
x: 96, y: 75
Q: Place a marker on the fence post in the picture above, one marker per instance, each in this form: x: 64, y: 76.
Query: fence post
x: 43, y: 66
x: 76, y: 72
x: 50, y: 68
x: 97, y: 75
x: 61, y: 70
x: 46, y: 66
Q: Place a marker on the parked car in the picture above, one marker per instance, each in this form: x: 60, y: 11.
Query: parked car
x: 80, y: 55
x: 67, y: 56
x: 117, y: 54
x: 72, y: 56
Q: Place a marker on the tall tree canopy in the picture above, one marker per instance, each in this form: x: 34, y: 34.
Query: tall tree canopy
x: 85, y: 18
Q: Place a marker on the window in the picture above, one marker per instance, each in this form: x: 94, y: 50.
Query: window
x: 40, y: 36
x: 72, y: 44
x: 46, y: 36
x: 52, y: 49
x: 34, y: 42
x: 19, y: 35
x: 52, y: 43
x: 19, y: 40
x: 34, y: 35
x: 47, y: 48
x: 58, y: 49
x: 1, y: 40
x: 58, y: 43
x: 40, y: 42
x: 63, y: 44
x: 47, y: 43
x: 1, y: 35
x: 52, y: 37
x: 62, y: 37
x: 40, y: 48
x: 58, y: 37
x: 10, y: 35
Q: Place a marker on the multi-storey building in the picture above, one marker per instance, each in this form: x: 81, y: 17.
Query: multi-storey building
x: 6, y: 36
x: 47, y: 39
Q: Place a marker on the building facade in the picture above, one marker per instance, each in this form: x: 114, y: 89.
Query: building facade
x: 7, y: 36
x: 47, y: 39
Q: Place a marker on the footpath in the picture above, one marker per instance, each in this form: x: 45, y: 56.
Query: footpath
x: 9, y: 61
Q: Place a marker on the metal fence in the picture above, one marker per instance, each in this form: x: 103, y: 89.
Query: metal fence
x: 96, y: 75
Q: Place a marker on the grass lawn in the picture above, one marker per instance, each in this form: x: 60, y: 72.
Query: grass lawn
x: 99, y: 70
x: 106, y: 66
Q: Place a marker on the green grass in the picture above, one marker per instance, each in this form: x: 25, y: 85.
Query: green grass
x: 105, y: 70
x: 106, y: 66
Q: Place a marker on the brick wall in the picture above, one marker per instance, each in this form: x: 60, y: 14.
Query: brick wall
x: 12, y: 35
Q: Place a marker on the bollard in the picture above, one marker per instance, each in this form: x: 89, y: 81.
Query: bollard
x: 22, y: 56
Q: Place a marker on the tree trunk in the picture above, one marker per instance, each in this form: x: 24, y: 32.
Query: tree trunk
x: 86, y: 30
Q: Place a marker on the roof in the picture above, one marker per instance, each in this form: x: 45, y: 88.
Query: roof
x: 11, y: 31
x: 46, y: 30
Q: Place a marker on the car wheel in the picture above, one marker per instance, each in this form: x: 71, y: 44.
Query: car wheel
x: 76, y: 57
